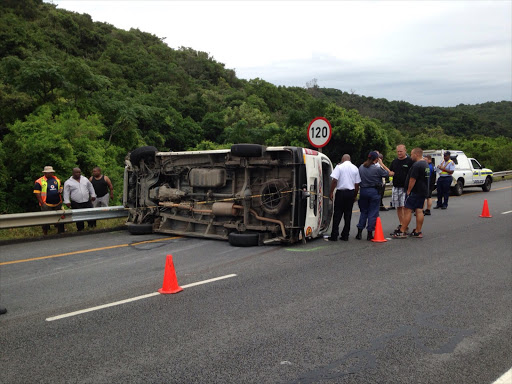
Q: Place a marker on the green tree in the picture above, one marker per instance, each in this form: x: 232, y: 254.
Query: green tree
x: 63, y: 141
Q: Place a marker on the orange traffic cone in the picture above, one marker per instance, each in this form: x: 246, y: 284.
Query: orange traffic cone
x: 170, y: 284
x: 379, y: 234
x: 485, y: 210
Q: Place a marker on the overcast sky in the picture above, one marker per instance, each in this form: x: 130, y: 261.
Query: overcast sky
x: 441, y: 53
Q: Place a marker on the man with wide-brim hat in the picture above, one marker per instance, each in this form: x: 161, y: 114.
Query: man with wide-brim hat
x: 48, y: 191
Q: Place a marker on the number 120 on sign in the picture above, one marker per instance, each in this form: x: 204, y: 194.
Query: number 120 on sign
x: 319, y: 132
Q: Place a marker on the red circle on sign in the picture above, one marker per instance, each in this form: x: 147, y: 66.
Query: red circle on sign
x: 319, y: 132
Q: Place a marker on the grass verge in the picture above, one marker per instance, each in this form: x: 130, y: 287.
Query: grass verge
x: 11, y: 234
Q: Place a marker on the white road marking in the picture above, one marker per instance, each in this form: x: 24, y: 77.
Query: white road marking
x: 506, y: 378
x: 134, y: 299
x: 504, y: 213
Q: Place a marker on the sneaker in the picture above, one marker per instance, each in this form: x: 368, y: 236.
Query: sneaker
x: 417, y: 235
x: 383, y: 209
x: 344, y: 238
x: 426, y: 212
x: 330, y: 238
x: 444, y: 207
x: 400, y: 235
x: 437, y: 207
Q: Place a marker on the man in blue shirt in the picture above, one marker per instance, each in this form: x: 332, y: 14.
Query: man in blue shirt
x: 444, y: 181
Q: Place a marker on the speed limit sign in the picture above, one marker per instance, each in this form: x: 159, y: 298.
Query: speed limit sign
x: 319, y: 132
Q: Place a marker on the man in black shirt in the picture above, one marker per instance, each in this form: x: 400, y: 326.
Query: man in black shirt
x: 400, y: 166
x: 417, y: 189
x: 102, y: 185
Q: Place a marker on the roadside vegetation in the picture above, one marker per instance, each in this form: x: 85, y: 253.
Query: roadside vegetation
x: 74, y: 92
x: 36, y: 232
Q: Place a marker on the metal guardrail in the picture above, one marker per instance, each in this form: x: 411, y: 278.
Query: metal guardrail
x: 501, y: 175
x: 62, y: 216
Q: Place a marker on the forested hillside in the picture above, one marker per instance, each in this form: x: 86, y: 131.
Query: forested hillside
x: 79, y: 93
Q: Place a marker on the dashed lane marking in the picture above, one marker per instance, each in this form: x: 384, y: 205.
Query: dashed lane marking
x: 133, y: 299
x: 504, y: 213
x: 89, y: 250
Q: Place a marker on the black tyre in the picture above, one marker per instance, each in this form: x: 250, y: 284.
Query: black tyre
x: 487, y: 185
x: 244, y: 239
x: 247, y: 150
x: 140, y: 229
x: 142, y: 153
x: 459, y: 188
x: 275, y: 196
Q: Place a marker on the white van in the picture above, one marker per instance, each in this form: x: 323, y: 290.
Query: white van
x: 248, y: 194
x: 468, y: 171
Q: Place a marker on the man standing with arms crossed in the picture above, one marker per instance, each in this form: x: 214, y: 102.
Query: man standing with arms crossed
x: 346, y: 180
x: 400, y: 166
x: 102, y: 185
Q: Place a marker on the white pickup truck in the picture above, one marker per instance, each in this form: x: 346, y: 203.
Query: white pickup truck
x: 468, y: 171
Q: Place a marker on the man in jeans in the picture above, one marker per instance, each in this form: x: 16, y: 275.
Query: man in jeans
x: 78, y: 194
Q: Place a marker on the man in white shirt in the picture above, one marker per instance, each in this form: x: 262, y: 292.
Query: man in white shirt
x: 78, y: 194
x: 345, y: 180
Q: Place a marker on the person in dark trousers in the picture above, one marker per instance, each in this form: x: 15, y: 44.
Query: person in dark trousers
x: 371, y: 180
x: 444, y: 181
x: 48, y: 191
x: 431, y: 185
x: 345, y: 180
x: 78, y: 194
x: 383, y: 188
x: 103, y: 189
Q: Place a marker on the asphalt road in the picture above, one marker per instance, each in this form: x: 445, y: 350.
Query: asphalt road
x: 431, y: 310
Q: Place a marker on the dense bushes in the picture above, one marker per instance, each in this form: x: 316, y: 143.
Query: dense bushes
x: 78, y: 93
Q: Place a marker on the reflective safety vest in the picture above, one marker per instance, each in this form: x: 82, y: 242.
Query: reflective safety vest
x: 444, y: 173
x: 43, y: 182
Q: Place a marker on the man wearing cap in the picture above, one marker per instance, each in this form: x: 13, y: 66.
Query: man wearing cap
x: 48, y: 190
x: 78, y: 194
x: 369, y: 199
x: 444, y: 181
x: 345, y: 179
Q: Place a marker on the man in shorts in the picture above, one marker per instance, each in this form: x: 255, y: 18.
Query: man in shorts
x: 400, y: 166
x: 417, y: 189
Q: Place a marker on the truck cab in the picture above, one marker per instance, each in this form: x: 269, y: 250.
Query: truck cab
x: 248, y: 195
x: 468, y: 171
